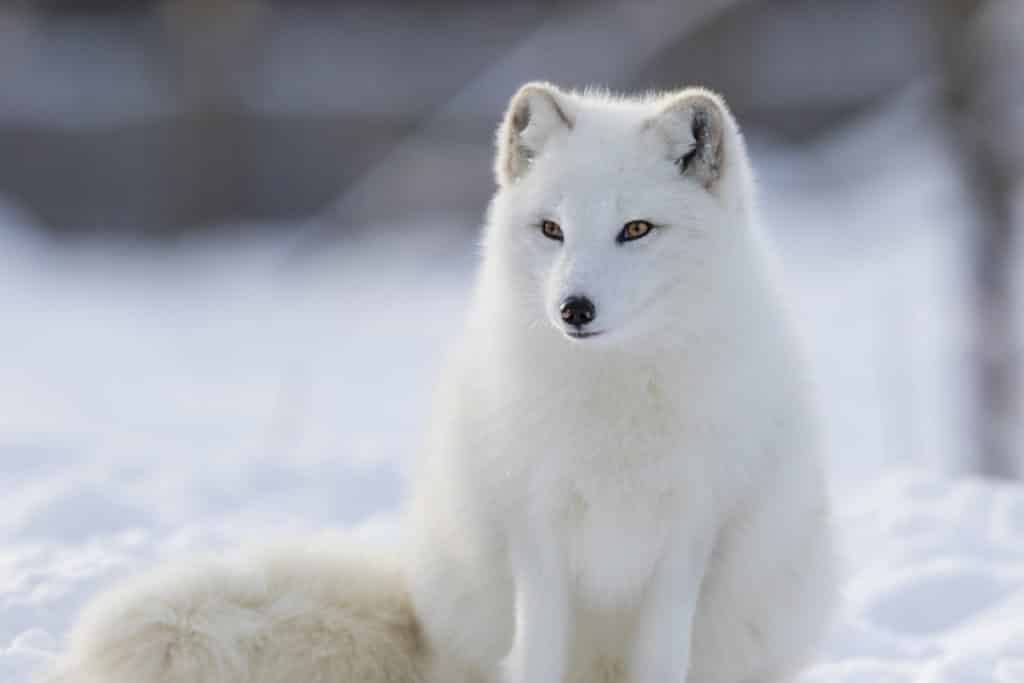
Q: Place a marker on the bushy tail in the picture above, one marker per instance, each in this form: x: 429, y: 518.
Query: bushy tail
x: 322, y: 610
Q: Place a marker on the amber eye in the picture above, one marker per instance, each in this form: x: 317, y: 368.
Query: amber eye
x: 634, y: 230
x: 551, y: 230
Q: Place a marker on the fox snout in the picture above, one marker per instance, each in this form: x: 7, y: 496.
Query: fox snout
x: 578, y: 311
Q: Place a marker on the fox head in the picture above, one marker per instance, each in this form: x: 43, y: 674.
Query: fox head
x: 616, y: 218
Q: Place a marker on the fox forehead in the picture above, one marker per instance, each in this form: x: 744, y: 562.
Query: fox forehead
x: 602, y: 182
x: 603, y: 172
x: 603, y: 153
x: 597, y: 203
x: 599, y: 141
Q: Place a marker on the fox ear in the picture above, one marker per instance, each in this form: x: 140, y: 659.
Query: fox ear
x: 536, y: 113
x: 692, y: 125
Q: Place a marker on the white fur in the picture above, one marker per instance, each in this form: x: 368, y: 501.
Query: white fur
x: 651, y: 500
x: 646, y: 505
x: 322, y: 611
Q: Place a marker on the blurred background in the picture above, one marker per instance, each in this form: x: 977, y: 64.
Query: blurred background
x: 236, y: 236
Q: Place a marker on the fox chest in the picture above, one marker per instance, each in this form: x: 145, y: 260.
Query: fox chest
x: 613, y: 544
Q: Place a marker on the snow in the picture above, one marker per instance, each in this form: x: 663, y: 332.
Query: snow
x: 935, y: 590
x: 158, y: 402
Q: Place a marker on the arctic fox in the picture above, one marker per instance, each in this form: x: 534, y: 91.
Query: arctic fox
x: 622, y: 480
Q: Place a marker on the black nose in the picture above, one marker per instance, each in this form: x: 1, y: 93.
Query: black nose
x: 578, y: 311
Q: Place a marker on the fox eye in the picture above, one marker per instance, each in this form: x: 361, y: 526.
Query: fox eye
x: 634, y: 230
x: 551, y: 230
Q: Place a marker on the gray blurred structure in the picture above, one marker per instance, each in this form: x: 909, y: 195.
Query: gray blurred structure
x: 984, y: 57
x: 157, y: 117
x: 160, y: 117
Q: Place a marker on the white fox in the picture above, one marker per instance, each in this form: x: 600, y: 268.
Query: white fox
x: 622, y: 480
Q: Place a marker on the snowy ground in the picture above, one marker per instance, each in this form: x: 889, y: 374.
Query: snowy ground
x: 935, y: 587
x: 157, y: 403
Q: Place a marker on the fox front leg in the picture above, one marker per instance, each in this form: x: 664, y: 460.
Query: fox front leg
x: 540, y: 646
x: 661, y: 649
